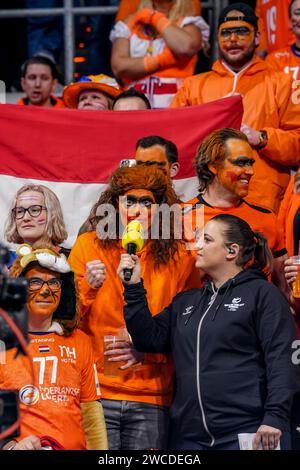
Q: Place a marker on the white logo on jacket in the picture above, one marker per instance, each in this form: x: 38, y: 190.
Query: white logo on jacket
x: 234, y: 305
x: 188, y: 310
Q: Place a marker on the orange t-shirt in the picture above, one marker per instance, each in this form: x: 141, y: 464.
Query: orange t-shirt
x: 197, y: 212
x: 286, y: 60
x: 55, y: 102
x: 274, y: 24
x: 128, y: 7
x: 64, y: 377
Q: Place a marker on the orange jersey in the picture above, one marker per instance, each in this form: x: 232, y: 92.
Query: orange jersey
x: 55, y: 102
x: 65, y: 376
x: 268, y: 105
x: 286, y: 60
x: 152, y: 381
x: 288, y: 210
x: 198, y: 211
x: 128, y: 7
x: 274, y: 24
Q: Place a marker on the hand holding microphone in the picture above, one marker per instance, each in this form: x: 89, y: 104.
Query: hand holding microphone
x: 129, y: 264
x: 132, y: 241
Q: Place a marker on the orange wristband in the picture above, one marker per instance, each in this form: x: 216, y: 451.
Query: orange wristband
x: 151, y: 63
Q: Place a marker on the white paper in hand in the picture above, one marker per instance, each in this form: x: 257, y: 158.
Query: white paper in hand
x: 246, y: 440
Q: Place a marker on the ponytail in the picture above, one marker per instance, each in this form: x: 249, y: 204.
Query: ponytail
x: 263, y: 258
x: 254, y: 250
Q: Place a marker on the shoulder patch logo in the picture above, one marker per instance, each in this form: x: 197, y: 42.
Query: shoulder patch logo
x: 188, y: 310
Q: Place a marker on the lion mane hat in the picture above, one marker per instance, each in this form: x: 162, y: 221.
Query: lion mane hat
x: 47, y: 256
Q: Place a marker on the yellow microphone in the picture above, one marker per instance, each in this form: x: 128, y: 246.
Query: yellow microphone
x: 132, y: 241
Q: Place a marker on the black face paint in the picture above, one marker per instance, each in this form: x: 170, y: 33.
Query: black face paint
x: 151, y: 162
x: 242, y: 161
x: 144, y: 201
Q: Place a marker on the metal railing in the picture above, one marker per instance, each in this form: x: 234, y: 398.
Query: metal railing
x: 68, y: 11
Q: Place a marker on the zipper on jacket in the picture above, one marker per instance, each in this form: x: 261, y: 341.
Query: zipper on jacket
x: 196, y: 307
x: 235, y: 74
x: 210, y: 304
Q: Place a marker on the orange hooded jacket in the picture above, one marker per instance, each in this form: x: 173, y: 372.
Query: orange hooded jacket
x: 102, y: 310
x: 269, y: 104
x: 288, y: 210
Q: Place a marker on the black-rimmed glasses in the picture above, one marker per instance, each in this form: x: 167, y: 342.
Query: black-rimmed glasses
x: 35, y: 284
x: 33, y: 211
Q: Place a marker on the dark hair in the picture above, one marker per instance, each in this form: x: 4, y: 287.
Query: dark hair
x: 132, y: 93
x: 213, y: 150
x: 169, y: 146
x: 254, y: 250
x: 40, y: 60
x: 290, y: 8
x: 248, y: 14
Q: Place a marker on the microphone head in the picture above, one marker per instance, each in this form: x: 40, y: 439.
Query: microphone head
x: 133, y: 233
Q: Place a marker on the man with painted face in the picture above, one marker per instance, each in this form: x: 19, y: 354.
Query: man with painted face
x: 60, y: 404
x: 150, y: 150
x: 225, y: 166
x: 137, y: 398
x: 271, y: 111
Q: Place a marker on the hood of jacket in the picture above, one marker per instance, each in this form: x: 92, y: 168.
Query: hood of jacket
x: 256, y: 65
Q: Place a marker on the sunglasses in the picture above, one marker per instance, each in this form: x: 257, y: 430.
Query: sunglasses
x: 241, y: 32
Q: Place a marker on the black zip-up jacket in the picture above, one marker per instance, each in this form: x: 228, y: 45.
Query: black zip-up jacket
x: 232, y: 351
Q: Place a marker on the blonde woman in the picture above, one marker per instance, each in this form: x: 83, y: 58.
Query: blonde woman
x: 35, y: 216
x: 155, y: 49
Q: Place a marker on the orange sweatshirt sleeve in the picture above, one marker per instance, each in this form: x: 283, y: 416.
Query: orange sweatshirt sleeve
x: 90, y: 388
x: 80, y: 254
x: 285, y: 205
x: 183, y: 97
x: 284, y: 138
x: 274, y: 62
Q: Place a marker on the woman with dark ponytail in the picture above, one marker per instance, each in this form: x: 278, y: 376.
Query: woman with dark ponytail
x: 231, y: 343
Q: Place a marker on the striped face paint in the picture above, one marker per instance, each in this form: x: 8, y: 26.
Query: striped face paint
x: 237, y: 42
x: 44, y: 301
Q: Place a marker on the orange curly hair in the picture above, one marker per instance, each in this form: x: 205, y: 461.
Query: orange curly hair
x: 140, y: 177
